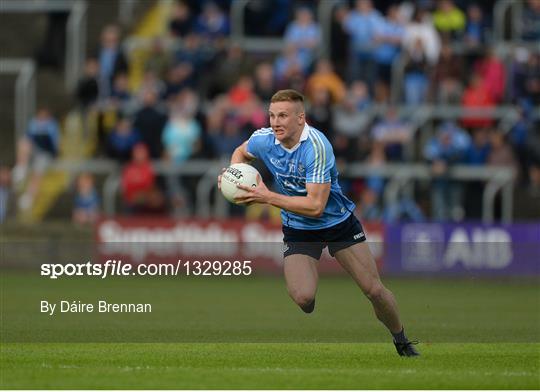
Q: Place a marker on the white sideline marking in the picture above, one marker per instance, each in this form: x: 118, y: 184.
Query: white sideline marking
x: 300, y: 370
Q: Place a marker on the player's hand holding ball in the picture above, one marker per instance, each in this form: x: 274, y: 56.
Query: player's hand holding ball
x: 241, y: 183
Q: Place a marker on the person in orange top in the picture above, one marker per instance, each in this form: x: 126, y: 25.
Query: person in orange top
x: 325, y: 77
x: 476, y: 95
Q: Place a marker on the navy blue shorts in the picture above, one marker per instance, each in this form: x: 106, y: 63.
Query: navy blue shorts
x: 312, y: 242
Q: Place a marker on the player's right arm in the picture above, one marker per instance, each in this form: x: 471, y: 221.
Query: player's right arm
x: 241, y: 154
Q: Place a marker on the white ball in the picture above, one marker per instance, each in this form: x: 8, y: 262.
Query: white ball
x: 237, y: 174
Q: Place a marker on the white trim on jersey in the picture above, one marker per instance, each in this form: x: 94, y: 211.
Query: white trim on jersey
x: 320, y: 157
x: 262, y: 132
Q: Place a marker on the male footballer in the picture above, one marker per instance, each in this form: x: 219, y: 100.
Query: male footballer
x: 314, y: 211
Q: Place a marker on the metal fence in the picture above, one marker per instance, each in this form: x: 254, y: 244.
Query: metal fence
x: 399, y: 177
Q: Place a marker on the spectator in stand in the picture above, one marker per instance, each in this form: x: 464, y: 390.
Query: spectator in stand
x: 343, y: 147
x: 319, y: 114
x: 351, y: 131
x: 477, y: 96
x: 181, y: 136
x: 361, y: 24
x: 196, y: 54
x: 534, y: 185
x: 339, y: 50
x: 448, y: 147
x: 139, y: 191
x: 304, y: 33
x: 325, y: 77
x: 526, y: 78
x: 252, y: 115
x: 267, y: 18
x: 44, y: 135
x: 179, y: 78
x: 447, y: 85
x: 493, y: 74
x: 150, y: 121
x: 241, y: 92
x: 501, y: 153
x: 532, y: 80
x: 87, y: 91
x: 478, y: 152
x: 121, y: 140
x: 86, y: 205
x: 212, y: 23
x: 244, y: 107
x: 518, y: 138
x: 404, y: 209
x: 182, y: 21
x: 375, y: 160
x: 393, y: 133
x: 362, y: 101
x: 360, y: 95
x: 369, y: 208
x: 120, y: 94
x: 530, y: 25
x: 290, y: 65
x: 477, y: 155
x: 387, y: 39
x: 151, y: 81
x: 5, y: 192
x: 159, y: 60
x: 226, y: 71
x: 183, y: 139
x: 264, y: 82
x: 476, y: 29
x: 449, y: 20
x: 533, y: 147
x: 348, y: 120
x: 422, y: 28
x: 111, y: 59
x: 416, y: 82
x: 225, y: 142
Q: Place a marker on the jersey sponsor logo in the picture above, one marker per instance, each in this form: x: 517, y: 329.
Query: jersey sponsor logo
x: 292, y: 183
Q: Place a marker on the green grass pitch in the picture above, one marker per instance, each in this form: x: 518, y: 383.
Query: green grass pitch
x: 246, y: 334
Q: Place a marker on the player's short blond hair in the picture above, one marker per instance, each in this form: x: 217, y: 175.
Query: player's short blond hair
x: 288, y: 95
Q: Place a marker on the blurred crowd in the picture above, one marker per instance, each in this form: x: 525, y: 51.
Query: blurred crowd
x: 200, y: 99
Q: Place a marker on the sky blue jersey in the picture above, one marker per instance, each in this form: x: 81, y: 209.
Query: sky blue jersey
x: 310, y: 161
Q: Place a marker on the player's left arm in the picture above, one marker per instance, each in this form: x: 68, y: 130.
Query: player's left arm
x: 312, y: 205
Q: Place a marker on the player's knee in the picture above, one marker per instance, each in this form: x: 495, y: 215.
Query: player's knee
x: 375, y: 292
x: 303, y: 299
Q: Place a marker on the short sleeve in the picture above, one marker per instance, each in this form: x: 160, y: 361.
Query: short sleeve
x: 256, y: 141
x: 319, y: 160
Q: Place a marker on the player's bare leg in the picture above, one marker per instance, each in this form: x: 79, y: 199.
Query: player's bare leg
x: 301, y: 277
x: 359, y: 263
